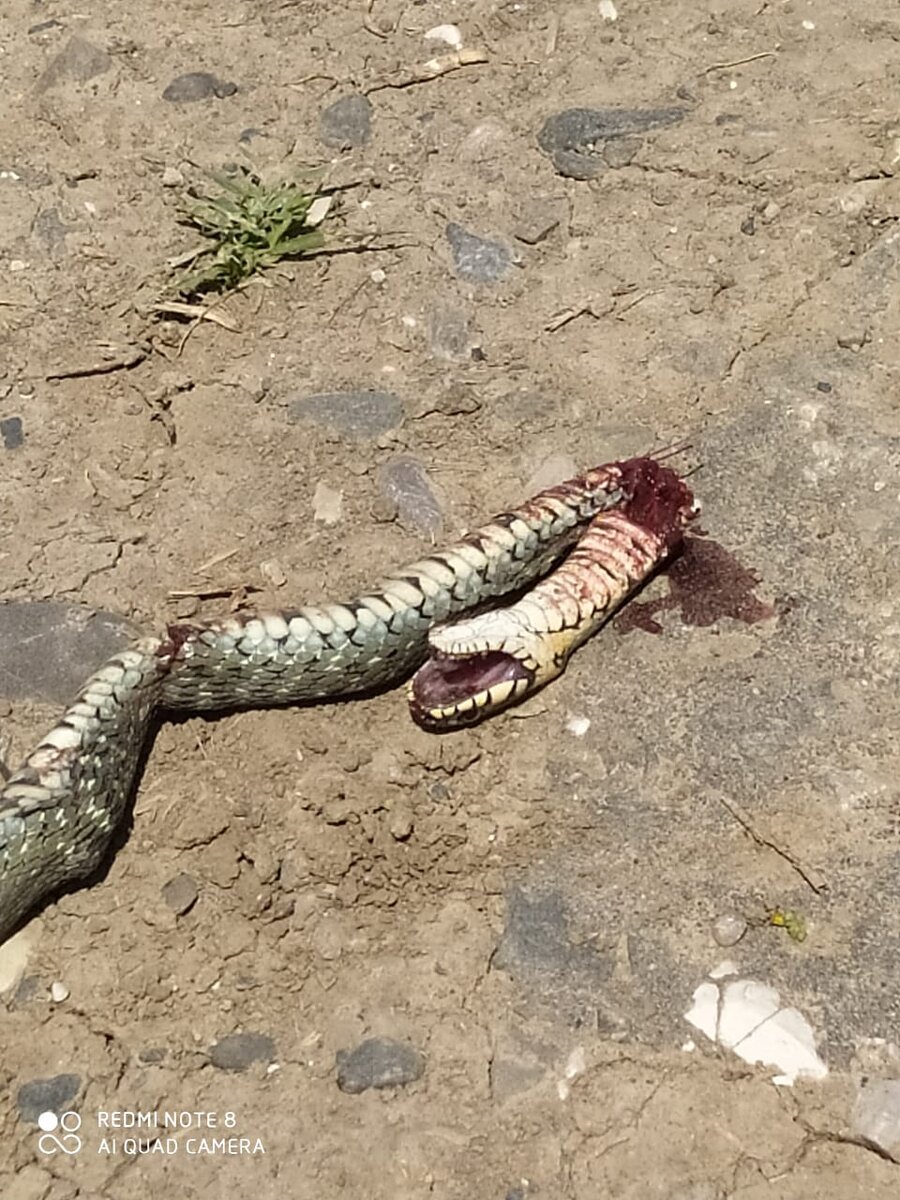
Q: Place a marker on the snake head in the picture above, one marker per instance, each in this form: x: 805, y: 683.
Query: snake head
x: 481, y: 665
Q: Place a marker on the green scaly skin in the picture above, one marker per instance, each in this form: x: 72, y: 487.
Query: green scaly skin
x: 60, y: 810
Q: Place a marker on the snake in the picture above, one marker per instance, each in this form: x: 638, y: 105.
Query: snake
x: 60, y: 811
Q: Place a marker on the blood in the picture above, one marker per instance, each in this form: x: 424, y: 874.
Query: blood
x: 707, y: 583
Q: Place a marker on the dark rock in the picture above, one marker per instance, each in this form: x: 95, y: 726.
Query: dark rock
x: 29, y: 989
x: 78, y: 62
x: 238, y: 1051
x: 822, y: 386
x: 152, y: 1054
x: 476, y: 258
x: 361, y: 414
x: 197, y: 85
x: 574, y: 139
x: 347, y: 122
x: 48, y: 649
x: 11, y: 433
x: 536, y: 940
x: 378, y: 1063
x: 247, y: 135
x: 47, y: 1095
x: 180, y: 893
x: 404, y: 484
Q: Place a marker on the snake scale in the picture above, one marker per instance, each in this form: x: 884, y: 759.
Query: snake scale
x: 60, y: 810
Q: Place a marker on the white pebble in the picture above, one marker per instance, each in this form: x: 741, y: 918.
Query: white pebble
x: 58, y: 992
x: 578, y: 726
x: 808, y: 24
x: 607, y: 10
x: 16, y: 264
x: 728, y: 929
x: 378, y: 276
x: 445, y: 33
x: 327, y: 504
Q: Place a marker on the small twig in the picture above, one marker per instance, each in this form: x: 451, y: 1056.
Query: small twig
x: 810, y: 876
x: 572, y: 314
x: 739, y: 62
x: 214, y: 561
x: 433, y: 69
x: 213, y: 593
x: 637, y: 300
x: 177, y: 308
x: 370, y: 26
x: 124, y: 362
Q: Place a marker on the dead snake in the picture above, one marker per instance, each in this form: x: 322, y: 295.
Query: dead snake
x: 61, y: 809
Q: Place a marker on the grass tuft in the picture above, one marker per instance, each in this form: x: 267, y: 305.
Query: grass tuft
x: 251, y: 226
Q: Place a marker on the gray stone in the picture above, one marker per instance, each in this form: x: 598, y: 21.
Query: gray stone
x: 47, y: 1095
x: 876, y: 1115
x: 449, y: 336
x: 536, y: 948
x: 11, y: 433
x: 574, y: 139
x: 475, y: 258
x: 180, y: 893
x: 404, y: 483
x: 347, y: 122
x: 197, y: 85
x: 152, y: 1054
x: 48, y: 649
x: 78, y: 62
x: 364, y: 414
x: 536, y: 219
x: 238, y: 1051
x: 50, y: 231
x: 378, y: 1063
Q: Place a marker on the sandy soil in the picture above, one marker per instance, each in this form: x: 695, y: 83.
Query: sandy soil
x: 529, y: 897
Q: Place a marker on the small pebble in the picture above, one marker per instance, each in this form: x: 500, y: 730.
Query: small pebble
x: 11, y: 433
x: 404, y: 483
x: 476, y: 258
x: 328, y: 504
x: 172, y: 177
x: 58, y: 992
x: 378, y: 1063
x: 728, y: 929
x: 238, y: 1051
x: 578, y: 726
x: 347, y: 122
x: 197, y: 85
x: 876, y: 1115
x: 853, y: 339
x: 607, y: 10
x: 573, y: 138
x: 42, y: 1095
x: 78, y: 62
x: 446, y: 33
x: 180, y: 893
x: 359, y: 414
x: 449, y: 336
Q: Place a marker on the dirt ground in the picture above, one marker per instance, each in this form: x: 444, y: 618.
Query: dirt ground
x: 529, y: 904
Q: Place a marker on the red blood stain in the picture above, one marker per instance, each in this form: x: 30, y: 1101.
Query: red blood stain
x: 707, y: 583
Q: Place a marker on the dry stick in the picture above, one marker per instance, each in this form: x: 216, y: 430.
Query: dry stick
x: 810, y: 876
x: 131, y: 358
x: 739, y: 62
x: 433, y: 69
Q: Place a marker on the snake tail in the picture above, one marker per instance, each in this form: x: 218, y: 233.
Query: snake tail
x: 480, y: 665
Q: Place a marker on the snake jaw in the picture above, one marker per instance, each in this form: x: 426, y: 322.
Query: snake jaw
x: 477, y: 668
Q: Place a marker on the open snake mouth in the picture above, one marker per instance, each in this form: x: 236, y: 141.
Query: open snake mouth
x: 451, y: 690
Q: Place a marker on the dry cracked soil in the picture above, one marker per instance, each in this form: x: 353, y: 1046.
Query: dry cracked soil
x: 504, y: 926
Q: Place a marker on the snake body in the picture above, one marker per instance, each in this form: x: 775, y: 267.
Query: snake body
x: 496, y: 658
x: 60, y: 810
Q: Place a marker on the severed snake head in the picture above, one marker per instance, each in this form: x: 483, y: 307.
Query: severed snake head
x: 479, y: 666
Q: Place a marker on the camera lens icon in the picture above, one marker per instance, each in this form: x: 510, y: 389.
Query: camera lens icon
x: 66, y: 1140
